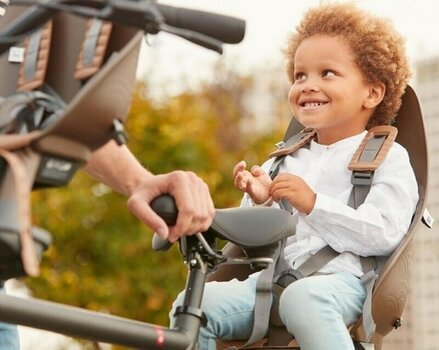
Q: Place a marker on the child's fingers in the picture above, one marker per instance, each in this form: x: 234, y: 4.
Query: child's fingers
x: 239, y: 167
x: 256, y: 170
x: 241, y: 180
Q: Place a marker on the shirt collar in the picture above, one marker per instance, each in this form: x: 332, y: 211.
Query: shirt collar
x: 351, y: 142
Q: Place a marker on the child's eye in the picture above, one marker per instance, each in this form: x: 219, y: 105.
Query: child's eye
x: 328, y: 73
x: 299, y: 76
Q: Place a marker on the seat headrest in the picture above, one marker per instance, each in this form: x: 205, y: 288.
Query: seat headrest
x: 412, y: 135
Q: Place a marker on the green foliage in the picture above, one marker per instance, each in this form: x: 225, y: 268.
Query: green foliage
x: 101, y: 258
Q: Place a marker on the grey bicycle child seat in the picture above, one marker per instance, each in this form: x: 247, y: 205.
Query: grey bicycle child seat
x: 391, y: 288
x: 90, y: 103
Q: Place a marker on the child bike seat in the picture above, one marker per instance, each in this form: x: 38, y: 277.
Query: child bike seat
x: 391, y: 288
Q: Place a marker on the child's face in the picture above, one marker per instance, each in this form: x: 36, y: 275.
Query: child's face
x: 329, y: 92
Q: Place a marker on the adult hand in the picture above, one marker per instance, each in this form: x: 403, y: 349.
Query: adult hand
x: 255, y: 182
x: 295, y: 190
x: 192, y: 198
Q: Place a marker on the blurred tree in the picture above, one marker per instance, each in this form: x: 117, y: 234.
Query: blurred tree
x: 101, y: 258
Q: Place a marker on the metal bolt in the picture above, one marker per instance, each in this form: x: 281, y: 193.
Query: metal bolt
x: 397, y: 323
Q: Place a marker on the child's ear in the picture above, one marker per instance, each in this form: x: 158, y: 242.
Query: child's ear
x: 375, y: 95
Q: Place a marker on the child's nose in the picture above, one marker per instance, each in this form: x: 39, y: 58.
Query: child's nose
x: 310, y: 85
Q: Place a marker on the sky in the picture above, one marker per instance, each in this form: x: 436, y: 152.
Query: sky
x: 176, y: 61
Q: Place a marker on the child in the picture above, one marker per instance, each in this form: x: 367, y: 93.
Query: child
x: 348, y: 72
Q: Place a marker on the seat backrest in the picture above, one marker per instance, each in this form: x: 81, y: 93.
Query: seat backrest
x: 391, y: 288
x: 93, y: 104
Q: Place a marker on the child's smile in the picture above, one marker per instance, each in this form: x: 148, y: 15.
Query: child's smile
x: 309, y: 104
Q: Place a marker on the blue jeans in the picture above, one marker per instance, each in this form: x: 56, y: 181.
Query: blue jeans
x: 9, y: 339
x: 316, y: 310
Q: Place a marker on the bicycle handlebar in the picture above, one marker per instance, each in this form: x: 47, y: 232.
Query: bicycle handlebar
x: 200, y: 27
x: 229, y: 30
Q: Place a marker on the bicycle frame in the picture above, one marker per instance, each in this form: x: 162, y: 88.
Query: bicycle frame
x: 96, y: 326
x: 199, y: 254
x: 201, y: 257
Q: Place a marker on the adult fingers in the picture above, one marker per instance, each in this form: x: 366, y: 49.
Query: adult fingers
x: 138, y: 204
x: 194, y: 203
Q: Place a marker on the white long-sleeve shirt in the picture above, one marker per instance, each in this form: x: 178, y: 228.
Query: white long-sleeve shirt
x: 373, y: 229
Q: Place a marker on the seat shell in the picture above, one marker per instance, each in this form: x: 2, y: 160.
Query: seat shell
x: 392, y: 286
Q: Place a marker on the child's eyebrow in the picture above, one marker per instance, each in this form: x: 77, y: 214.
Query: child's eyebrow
x: 320, y: 65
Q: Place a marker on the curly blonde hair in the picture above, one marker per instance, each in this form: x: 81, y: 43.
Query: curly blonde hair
x: 379, y: 50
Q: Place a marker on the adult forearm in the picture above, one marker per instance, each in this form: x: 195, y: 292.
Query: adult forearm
x: 116, y: 167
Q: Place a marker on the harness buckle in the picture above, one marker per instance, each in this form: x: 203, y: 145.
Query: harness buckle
x: 280, y: 144
x: 284, y: 279
x: 362, y: 178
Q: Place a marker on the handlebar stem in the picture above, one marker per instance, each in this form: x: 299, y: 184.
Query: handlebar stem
x: 189, y: 317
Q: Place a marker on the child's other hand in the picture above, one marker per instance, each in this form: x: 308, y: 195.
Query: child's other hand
x: 255, y: 182
x: 295, y: 191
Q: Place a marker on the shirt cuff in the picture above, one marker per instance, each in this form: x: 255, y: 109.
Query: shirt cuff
x: 321, y: 210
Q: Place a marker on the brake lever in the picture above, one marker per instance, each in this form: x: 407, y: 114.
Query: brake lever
x: 166, y: 208
x: 223, y: 259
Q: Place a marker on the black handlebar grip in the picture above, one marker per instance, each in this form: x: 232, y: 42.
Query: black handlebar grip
x: 229, y: 30
x: 165, y: 207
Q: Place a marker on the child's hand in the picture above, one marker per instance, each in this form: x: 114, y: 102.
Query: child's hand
x: 255, y: 182
x: 294, y: 190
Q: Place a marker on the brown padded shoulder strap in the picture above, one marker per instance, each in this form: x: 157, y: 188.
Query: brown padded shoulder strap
x: 367, y: 157
x: 36, y: 57
x: 93, y: 48
x: 294, y: 143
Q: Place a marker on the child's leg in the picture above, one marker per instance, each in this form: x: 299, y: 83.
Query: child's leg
x: 318, y: 309
x: 9, y: 338
x: 229, y: 310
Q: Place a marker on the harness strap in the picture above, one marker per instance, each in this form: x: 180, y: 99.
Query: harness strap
x: 37, y: 49
x: 34, y: 66
x: 374, y: 148
x: 264, y: 292
x: 277, y: 333
x: 263, y: 301
x: 312, y: 265
x: 11, y: 142
x: 368, y: 157
x: 16, y: 185
x: 368, y: 279
x: 93, y: 48
x: 293, y: 143
x: 285, y: 148
x: 370, y: 154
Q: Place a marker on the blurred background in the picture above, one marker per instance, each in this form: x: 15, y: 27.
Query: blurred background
x: 194, y: 109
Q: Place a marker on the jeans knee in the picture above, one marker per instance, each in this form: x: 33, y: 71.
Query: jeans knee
x: 299, y: 302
